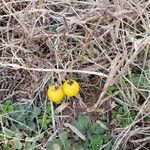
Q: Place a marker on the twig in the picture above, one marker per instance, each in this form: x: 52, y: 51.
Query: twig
x: 16, y: 66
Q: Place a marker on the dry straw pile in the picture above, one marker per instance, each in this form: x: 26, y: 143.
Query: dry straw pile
x: 44, y: 40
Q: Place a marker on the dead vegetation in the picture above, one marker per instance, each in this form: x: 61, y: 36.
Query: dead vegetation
x: 108, y: 41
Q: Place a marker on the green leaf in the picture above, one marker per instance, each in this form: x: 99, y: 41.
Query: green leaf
x: 19, y: 107
x: 124, y: 119
x: 120, y: 110
x: 82, y: 123
x: 18, y: 145
x: 54, y: 145
x: 107, y: 138
x: 80, y: 148
x: 138, y: 80
x: 54, y: 27
x: 64, y: 140
x: 7, y: 147
x: 48, y: 107
x: 81, y: 145
x: 45, y: 126
x: 96, y: 129
x: 112, y: 89
x: 95, y: 142
x: 36, y: 111
x: 29, y: 146
x: 47, y: 121
x: 44, y: 120
x: 7, y: 106
x: 8, y: 132
x: 31, y: 124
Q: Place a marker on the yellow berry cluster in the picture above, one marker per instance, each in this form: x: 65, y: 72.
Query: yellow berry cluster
x: 69, y: 88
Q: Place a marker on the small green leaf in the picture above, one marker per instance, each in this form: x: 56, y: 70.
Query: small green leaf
x: 44, y: 126
x: 96, y: 129
x: 18, y: 144
x: 112, y: 89
x: 96, y: 141
x: 64, y: 140
x: 53, y: 144
x: 32, y: 125
x: 44, y: 120
x: 19, y: 107
x: 7, y: 106
x: 120, y: 110
x: 47, y: 121
x: 82, y: 123
x: 8, y: 132
x: 6, y: 147
x: 48, y: 107
x: 29, y: 145
x: 36, y: 111
x: 107, y: 138
x: 54, y: 27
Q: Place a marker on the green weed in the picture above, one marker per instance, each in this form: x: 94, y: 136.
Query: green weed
x: 96, y: 137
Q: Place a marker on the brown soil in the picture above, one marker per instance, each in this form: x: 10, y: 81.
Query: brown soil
x: 89, y: 95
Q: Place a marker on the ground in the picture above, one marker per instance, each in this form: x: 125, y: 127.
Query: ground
x: 103, y: 45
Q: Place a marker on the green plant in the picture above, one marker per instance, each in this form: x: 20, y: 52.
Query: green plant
x: 139, y: 80
x: 44, y: 118
x: 24, y: 115
x: 96, y: 136
x: 62, y: 142
x: 6, y: 107
x: 22, y: 121
x: 123, y: 116
x: 112, y: 89
x: 54, y: 27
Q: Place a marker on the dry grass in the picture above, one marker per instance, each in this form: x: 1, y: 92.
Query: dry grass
x: 44, y: 40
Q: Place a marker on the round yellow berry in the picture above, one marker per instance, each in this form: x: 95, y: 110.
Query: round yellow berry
x: 55, y: 93
x: 71, y: 87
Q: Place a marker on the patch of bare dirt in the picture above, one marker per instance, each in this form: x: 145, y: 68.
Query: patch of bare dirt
x: 89, y: 95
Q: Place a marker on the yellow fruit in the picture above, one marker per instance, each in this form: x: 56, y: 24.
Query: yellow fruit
x: 55, y: 93
x: 71, y: 87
